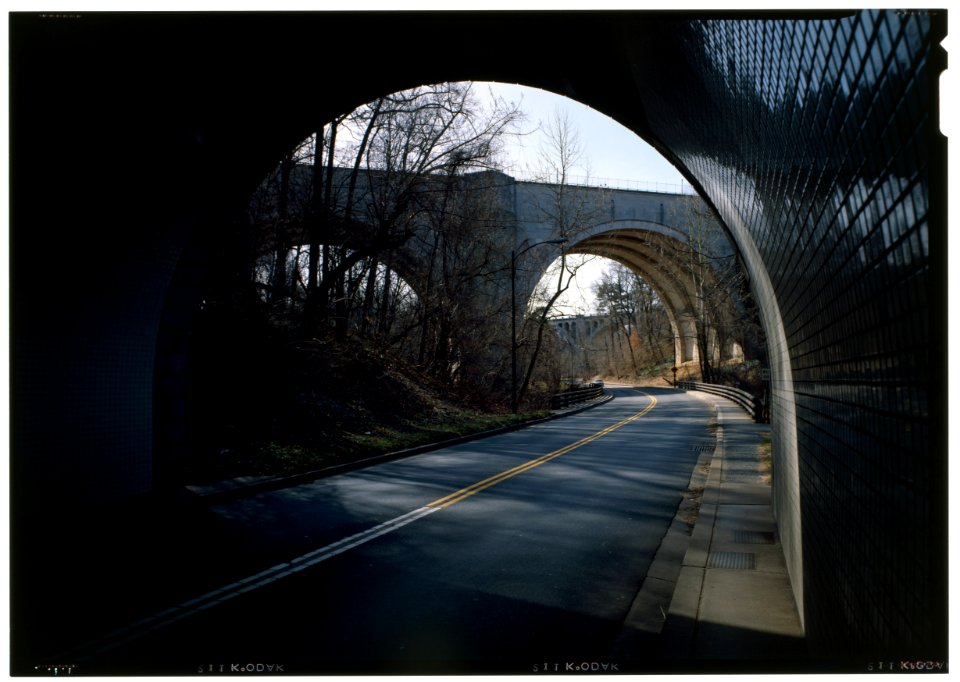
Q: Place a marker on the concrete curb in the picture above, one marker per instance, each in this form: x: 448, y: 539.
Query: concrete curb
x: 677, y: 640
x: 244, y: 489
x: 648, y: 612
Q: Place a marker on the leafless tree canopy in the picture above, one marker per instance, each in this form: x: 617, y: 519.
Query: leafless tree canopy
x: 339, y: 220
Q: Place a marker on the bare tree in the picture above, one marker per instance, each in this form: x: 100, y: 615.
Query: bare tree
x: 615, y: 299
x: 411, y: 144
x: 465, y: 246
x: 638, y: 322
x: 719, y: 284
x: 363, y: 186
x: 569, y: 210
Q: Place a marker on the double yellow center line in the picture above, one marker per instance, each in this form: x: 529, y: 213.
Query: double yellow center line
x: 186, y: 609
x: 464, y: 493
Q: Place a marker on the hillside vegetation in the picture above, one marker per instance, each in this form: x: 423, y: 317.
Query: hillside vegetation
x: 261, y: 405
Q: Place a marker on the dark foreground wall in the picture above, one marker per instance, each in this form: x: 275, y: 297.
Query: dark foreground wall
x: 136, y: 139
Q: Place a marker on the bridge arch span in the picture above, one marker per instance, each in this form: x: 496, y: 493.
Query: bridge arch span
x: 673, y: 239
x: 656, y: 256
x: 672, y: 230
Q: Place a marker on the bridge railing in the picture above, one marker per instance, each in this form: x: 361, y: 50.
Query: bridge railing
x: 610, y: 183
x: 578, y: 395
x: 745, y: 400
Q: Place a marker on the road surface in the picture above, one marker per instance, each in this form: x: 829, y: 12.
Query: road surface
x: 515, y: 553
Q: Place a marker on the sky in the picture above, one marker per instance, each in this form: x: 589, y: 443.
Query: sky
x: 612, y: 155
x: 612, y: 152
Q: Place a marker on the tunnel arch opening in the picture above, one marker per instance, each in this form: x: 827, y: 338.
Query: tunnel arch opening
x: 649, y: 239
x: 732, y: 194
x: 694, y: 338
x: 795, y: 167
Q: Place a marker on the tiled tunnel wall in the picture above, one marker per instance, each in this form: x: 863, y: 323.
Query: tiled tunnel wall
x: 812, y: 139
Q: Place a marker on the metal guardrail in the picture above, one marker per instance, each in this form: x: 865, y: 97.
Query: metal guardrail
x: 745, y: 400
x: 578, y: 395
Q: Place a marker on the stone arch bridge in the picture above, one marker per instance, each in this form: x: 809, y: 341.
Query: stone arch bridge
x: 814, y: 136
x: 652, y: 233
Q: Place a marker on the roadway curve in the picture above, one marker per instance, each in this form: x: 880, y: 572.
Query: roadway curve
x: 502, y: 554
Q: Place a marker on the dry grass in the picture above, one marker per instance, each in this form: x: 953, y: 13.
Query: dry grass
x: 690, y: 507
x: 765, y: 453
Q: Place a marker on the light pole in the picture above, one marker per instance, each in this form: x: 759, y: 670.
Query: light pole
x: 513, y: 316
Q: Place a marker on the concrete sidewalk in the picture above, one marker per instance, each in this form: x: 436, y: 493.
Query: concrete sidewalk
x: 717, y: 597
x: 733, y: 603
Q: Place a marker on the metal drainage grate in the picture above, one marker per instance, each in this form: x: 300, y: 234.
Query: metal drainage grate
x: 741, y: 560
x: 753, y: 537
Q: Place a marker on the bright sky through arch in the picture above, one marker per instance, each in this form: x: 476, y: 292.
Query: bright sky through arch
x: 610, y: 150
x: 611, y: 153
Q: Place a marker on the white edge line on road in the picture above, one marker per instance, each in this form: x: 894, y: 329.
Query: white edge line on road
x: 190, y: 607
x: 144, y: 626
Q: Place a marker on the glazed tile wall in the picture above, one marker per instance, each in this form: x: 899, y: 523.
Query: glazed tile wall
x: 813, y: 139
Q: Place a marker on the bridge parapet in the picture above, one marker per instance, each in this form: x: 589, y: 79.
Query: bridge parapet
x: 652, y: 233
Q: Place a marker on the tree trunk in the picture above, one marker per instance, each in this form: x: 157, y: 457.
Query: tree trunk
x: 316, y: 217
x: 383, y: 323
x: 368, y: 294
x: 282, y: 245
x: 425, y: 302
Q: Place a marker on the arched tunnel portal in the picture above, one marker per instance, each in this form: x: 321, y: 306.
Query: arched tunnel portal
x: 813, y: 136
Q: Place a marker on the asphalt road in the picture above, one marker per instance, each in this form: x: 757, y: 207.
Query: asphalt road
x: 513, y: 553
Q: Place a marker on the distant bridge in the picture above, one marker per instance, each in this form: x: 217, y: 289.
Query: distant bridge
x: 652, y: 233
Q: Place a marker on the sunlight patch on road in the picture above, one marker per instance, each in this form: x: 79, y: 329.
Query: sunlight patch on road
x: 213, y: 598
